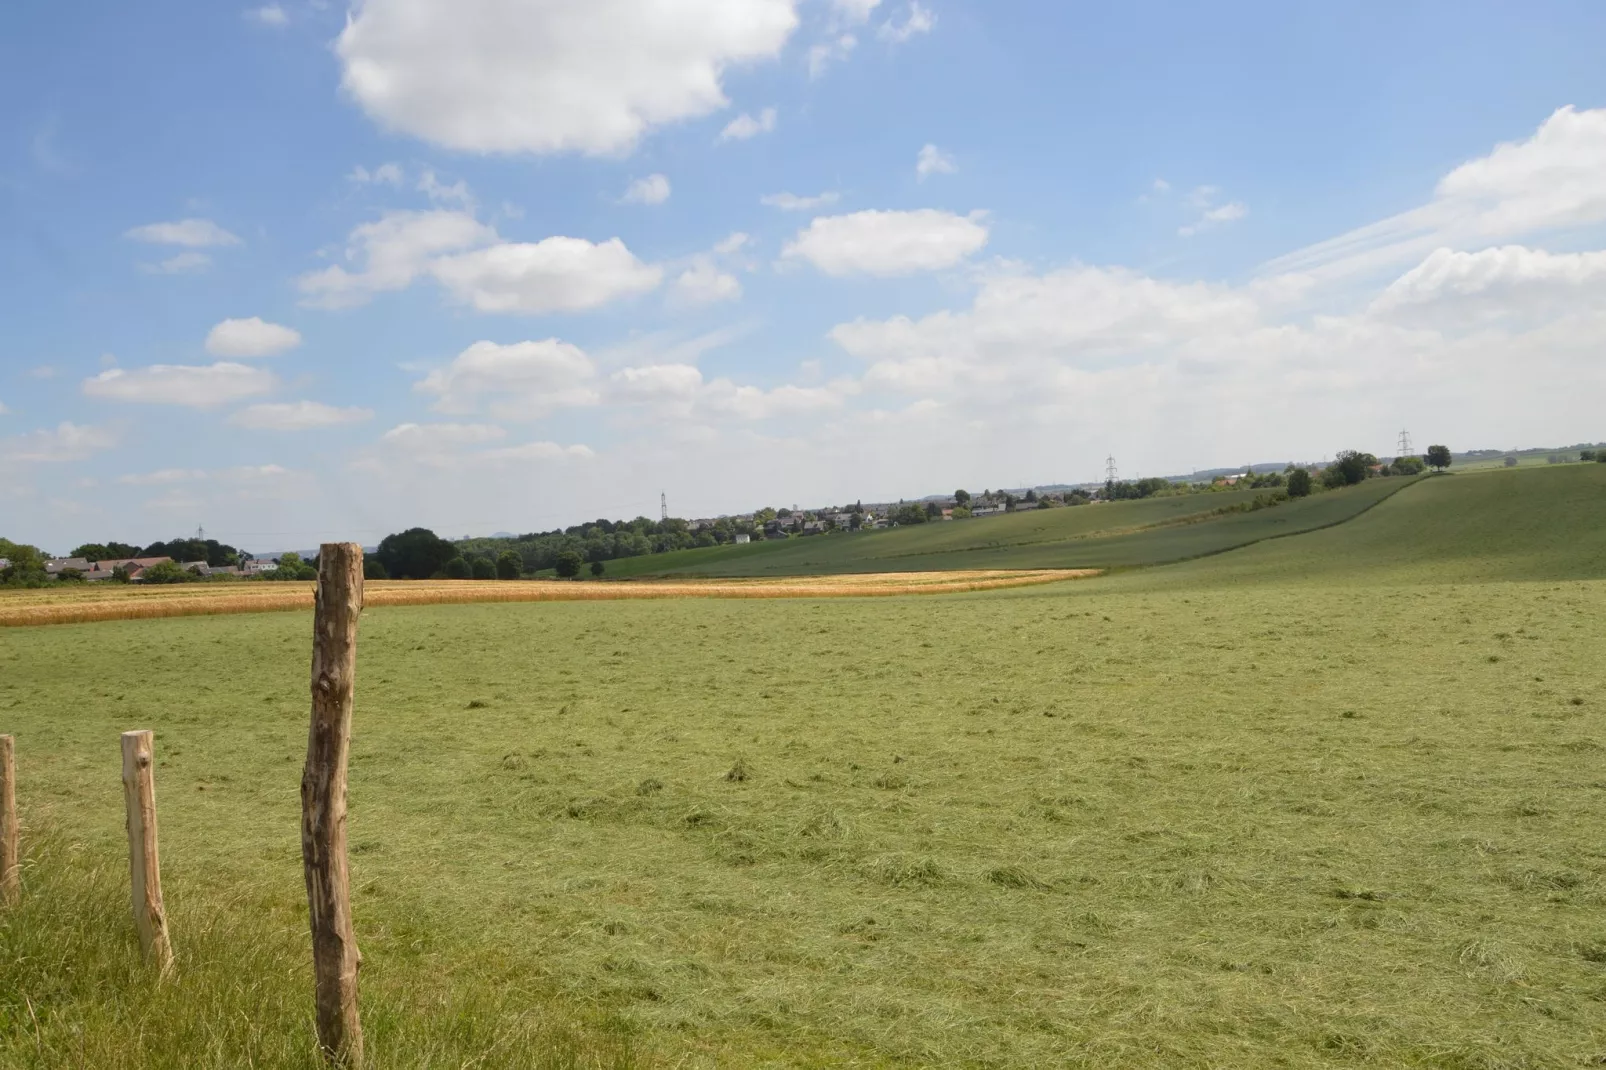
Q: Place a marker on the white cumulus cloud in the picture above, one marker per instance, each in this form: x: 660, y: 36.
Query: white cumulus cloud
x: 253, y: 337
x: 518, y: 381
x: 298, y: 416
x: 391, y: 251
x: 888, y: 242
x: 553, y: 275
x: 476, y: 267
x: 1505, y: 280
x: 703, y: 283
x: 1549, y: 181
x: 196, y: 386
x: 509, y: 76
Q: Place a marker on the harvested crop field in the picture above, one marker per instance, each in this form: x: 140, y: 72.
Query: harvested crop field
x: 1327, y: 801
x: 104, y: 602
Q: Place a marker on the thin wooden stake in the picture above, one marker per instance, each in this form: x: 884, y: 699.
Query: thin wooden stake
x: 10, y: 868
x: 323, y: 802
x: 144, y: 866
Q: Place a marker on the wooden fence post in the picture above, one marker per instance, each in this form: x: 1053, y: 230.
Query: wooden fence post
x: 144, y: 866
x: 323, y: 802
x: 10, y: 868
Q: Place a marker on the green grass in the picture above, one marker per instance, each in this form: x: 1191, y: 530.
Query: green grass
x: 1541, y: 523
x: 1113, y: 535
x: 1328, y: 800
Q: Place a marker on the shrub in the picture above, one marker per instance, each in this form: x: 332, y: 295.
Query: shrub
x: 374, y: 569
x: 597, y: 569
x: 1407, y: 466
x: 509, y: 565
x: 1299, y: 483
x: 168, y: 572
x: 482, y: 568
x: 457, y: 569
x: 1351, y: 467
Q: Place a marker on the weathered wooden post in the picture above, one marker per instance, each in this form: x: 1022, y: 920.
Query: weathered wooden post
x: 10, y: 867
x: 144, y: 866
x: 323, y: 801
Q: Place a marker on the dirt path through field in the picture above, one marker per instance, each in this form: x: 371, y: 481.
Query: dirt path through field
x: 107, y: 602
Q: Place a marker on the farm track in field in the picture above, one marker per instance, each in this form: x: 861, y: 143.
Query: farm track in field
x: 143, y: 603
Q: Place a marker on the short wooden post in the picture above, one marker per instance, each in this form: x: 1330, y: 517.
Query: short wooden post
x: 323, y: 802
x: 10, y: 863
x: 144, y: 866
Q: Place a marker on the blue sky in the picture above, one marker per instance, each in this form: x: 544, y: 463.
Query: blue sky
x: 304, y: 271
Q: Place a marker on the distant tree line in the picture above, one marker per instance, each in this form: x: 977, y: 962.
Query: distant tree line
x: 189, y: 551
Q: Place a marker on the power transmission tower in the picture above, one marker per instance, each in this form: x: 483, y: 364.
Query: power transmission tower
x: 1405, y: 444
x: 1109, y: 469
x: 663, y: 506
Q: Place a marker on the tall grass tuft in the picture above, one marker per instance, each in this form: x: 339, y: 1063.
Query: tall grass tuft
x: 74, y: 992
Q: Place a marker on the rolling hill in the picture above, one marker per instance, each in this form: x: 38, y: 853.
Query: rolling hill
x: 1114, y: 535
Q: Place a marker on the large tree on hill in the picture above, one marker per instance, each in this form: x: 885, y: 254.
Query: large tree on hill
x: 1439, y: 457
x: 1351, y: 467
x: 414, y: 554
x: 568, y: 564
x: 1299, y: 483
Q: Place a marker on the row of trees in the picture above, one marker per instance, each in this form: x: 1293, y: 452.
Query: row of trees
x: 214, y: 553
x: 420, y: 554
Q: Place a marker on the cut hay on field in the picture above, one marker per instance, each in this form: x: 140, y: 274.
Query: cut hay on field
x: 140, y: 603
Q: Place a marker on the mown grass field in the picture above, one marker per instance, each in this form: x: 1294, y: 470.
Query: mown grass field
x: 1329, y: 800
x: 1112, y: 535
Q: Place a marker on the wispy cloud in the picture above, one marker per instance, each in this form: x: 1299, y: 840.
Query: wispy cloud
x: 745, y: 126
x: 917, y: 19
x: 193, y: 233
x: 654, y: 189
x: 791, y: 202
x: 933, y: 161
x: 268, y: 15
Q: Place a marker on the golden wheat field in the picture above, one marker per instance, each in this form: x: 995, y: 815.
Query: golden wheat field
x: 108, y: 602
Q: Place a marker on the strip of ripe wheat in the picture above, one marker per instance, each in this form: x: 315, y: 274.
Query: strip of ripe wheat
x: 139, y: 603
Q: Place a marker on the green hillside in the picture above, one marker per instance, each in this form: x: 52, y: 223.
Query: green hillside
x: 1537, y: 523
x: 1113, y: 535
